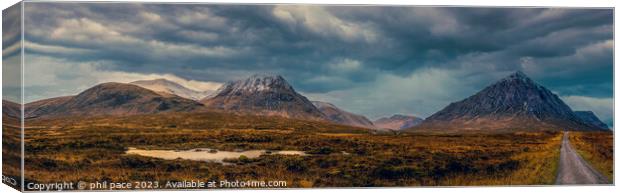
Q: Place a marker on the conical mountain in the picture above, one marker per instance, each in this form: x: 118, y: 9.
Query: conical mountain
x: 111, y: 99
x: 513, y: 103
x: 340, y: 116
x: 264, y: 94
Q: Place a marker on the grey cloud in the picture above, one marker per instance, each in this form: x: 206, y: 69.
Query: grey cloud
x: 337, y: 51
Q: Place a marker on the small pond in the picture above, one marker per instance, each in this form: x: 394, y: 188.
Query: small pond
x: 206, y: 154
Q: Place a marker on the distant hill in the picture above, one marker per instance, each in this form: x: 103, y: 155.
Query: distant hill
x: 340, y: 116
x: 111, y: 99
x: 513, y: 103
x: 269, y: 95
x: 590, y: 117
x: 397, y: 122
x: 165, y: 87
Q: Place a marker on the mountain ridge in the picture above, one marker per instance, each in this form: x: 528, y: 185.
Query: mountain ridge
x: 164, y: 87
x: 338, y: 115
x: 111, y: 99
x: 397, y: 122
x: 515, y: 102
x: 590, y: 117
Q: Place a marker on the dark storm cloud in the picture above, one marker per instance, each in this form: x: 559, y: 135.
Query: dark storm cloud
x: 339, y: 49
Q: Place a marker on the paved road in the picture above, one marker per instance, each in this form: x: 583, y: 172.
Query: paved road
x: 575, y: 170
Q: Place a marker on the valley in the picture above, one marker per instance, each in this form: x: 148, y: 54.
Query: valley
x: 261, y: 128
x: 93, y: 149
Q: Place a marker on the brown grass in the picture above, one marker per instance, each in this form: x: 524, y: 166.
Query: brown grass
x: 597, y: 148
x: 92, y: 149
x: 11, y: 150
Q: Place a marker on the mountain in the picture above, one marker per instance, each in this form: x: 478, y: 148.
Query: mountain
x: 513, y: 103
x: 11, y: 109
x: 268, y: 95
x: 397, y: 122
x: 166, y: 87
x: 111, y: 99
x: 590, y: 117
x: 340, y: 116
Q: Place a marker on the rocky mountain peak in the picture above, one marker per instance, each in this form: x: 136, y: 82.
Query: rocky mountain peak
x: 264, y: 94
x: 518, y: 78
x: 259, y: 82
x: 518, y: 75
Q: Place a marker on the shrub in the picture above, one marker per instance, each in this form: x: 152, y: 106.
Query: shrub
x: 392, y: 172
x: 322, y: 150
x: 137, y: 162
x: 296, y: 165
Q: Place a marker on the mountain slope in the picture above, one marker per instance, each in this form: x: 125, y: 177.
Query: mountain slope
x: 111, y: 99
x: 513, y: 103
x: 590, y: 117
x: 164, y: 87
x: 11, y: 109
x: 340, y: 116
x: 45, y: 106
x: 269, y: 95
x: 397, y: 122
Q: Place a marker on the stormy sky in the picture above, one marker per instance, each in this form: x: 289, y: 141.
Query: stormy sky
x: 375, y: 61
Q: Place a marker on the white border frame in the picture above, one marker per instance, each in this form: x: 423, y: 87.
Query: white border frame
x: 470, y: 3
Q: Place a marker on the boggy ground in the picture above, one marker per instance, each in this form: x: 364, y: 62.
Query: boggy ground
x: 92, y: 149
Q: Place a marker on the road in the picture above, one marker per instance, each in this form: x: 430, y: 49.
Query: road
x: 574, y: 169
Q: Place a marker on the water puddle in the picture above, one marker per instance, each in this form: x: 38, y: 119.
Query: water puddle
x: 206, y: 154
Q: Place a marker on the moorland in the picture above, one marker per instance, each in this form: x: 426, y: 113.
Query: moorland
x: 93, y: 149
